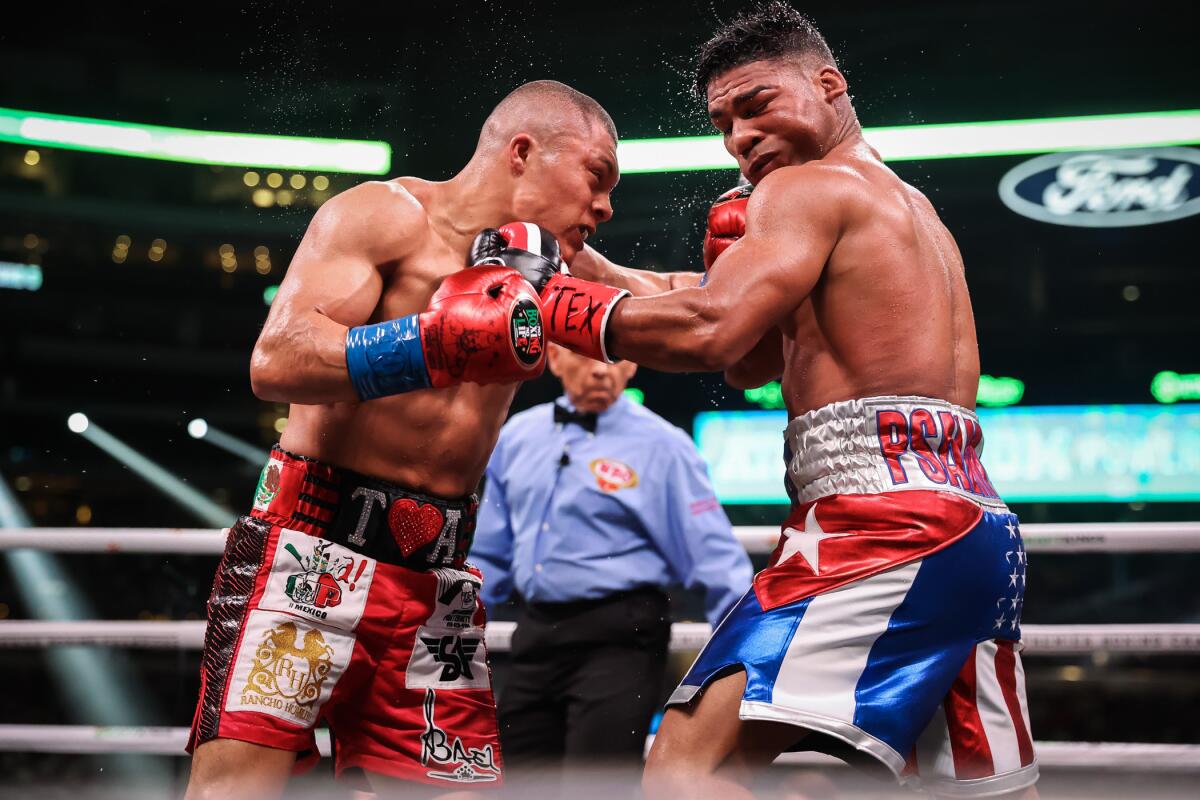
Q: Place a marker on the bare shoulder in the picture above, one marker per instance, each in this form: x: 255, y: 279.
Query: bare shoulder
x: 813, y: 184
x: 922, y: 206
x: 804, y: 178
x: 916, y: 197
x: 382, y: 218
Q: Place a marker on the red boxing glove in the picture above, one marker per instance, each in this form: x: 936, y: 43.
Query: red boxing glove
x: 726, y: 223
x: 576, y: 310
x: 577, y: 313
x: 483, y: 325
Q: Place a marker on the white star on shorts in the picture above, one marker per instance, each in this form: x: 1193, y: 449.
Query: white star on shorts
x: 807, y: 542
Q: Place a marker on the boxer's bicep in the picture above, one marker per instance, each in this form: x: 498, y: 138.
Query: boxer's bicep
x: 758, y: 284
x: 710, y: 327
x: 792, y: 226
x: 337, y: 271
x: 793, y: 221
x: 333, y: 283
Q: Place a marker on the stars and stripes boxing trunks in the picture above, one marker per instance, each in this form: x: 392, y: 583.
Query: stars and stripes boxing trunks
x: 888, y: 620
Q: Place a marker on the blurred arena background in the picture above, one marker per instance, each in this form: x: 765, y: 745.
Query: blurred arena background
x: 132, y: 288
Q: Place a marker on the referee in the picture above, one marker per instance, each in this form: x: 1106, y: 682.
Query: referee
x: 593, y: 506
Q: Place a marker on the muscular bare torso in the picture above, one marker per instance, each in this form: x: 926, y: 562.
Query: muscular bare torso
x: 432, y: 441
x: 890, y: 314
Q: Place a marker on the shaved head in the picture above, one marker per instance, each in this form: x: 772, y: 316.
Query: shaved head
x: 546, y: 110
x: 547, y: 154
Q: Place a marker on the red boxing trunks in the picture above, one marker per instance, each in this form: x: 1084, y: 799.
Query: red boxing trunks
x: 346, y: 601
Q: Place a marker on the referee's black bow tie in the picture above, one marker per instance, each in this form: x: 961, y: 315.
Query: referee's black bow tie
x: 587, y: 421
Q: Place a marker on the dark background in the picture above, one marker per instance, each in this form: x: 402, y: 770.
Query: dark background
x: 142, y: 347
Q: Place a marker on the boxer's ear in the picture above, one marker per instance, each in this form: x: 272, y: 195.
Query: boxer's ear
x: 518, y: 151
x: 833, y: 83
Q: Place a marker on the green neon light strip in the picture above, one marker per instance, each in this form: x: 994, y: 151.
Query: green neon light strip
x: 678, y: 154
x: 999, y: 392
x: 1171, y: 387
x: 194, y: 147
x: 957, y: 140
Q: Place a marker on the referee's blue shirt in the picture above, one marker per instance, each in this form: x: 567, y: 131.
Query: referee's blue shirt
x: 569, y: 515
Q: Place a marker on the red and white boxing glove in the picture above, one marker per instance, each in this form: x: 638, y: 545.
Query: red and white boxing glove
x: 529, y: 249
x: 576, y: 311
x: 726, y: 223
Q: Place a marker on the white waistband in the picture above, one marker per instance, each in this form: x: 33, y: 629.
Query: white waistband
x: 887, y: 444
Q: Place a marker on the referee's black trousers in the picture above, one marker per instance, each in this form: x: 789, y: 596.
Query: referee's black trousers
x: 585, y: 680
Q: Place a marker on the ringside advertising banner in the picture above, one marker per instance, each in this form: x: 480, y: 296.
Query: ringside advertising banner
x: 1110, y: 453
x: 1108, y: 189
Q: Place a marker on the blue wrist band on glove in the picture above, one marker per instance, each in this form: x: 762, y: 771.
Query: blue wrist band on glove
x: 386, y: 358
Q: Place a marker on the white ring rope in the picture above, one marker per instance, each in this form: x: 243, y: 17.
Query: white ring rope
x: 1102, y: 537
x: 1038, y: 639
x: 685, y: 636
x: 1159, y: 758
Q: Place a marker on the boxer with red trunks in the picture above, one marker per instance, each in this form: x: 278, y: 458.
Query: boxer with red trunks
x: 344, y: 598
x: 886, y: 627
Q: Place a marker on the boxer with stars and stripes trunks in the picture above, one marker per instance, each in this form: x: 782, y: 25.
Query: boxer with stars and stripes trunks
x: 888, y: 619
x: 887, y: 624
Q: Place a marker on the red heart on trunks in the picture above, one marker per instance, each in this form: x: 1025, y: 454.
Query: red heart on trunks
x: 413, y: 526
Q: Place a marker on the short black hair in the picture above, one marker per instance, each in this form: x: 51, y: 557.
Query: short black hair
x: 771, y: 29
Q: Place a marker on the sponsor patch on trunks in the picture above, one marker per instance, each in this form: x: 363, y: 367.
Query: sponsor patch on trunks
x: 453, y: 760
x: 286, y: 668
x: 319, y: 580
x: 268, y: 484
x: 457, y: 599
x: 443, y: 659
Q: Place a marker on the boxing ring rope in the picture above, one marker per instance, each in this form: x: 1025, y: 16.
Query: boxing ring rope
x: 170, y: 741
x: 1125, y: 537
x: 685, y: 636
x: 1041, y: 640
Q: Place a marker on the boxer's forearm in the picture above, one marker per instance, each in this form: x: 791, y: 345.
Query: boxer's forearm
x: 592, y: 266
x: 682, y: 331
x: 302, y: 362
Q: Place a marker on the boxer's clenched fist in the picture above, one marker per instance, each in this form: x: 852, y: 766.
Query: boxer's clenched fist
x: 577, y: 311
x: 483, y: 325
x: 726, y: 223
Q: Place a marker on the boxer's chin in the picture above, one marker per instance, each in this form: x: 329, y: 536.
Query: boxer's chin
x: 568, y: 252
x: 570, y: 244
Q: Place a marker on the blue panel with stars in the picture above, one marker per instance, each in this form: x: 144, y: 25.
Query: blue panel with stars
x: 961, y: 596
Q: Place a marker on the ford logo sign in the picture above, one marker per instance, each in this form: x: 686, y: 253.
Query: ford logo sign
x: 1112, y: 189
